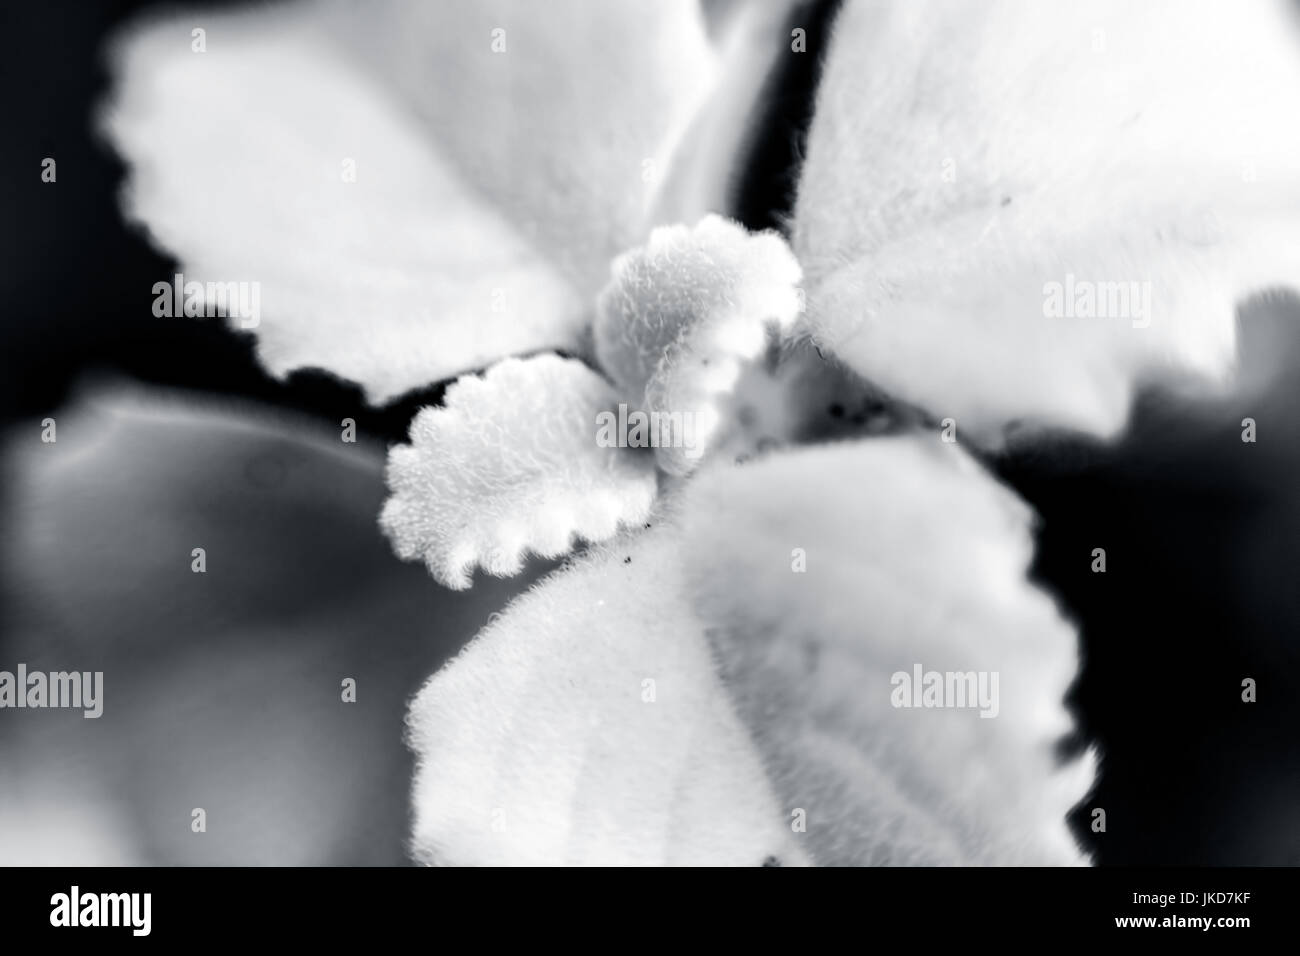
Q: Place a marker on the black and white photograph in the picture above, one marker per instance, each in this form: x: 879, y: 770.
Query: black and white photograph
x: 651, y: 433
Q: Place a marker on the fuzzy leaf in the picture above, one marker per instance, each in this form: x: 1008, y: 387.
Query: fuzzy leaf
x: 510, y: 464
x: 972, y: 168
x: 912, y: 556
x: 419, y: 189
x: 682, y: 317
x: 587, y: 726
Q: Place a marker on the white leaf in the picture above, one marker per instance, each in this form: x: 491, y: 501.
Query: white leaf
x: 972, y: 168
x: 511, y: 464
x: 587, y: 726
x: 911, y: 555
x: 683, y: 316
x: 411, y: 202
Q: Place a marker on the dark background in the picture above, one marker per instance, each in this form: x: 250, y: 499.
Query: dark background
x: 1202, y: 532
